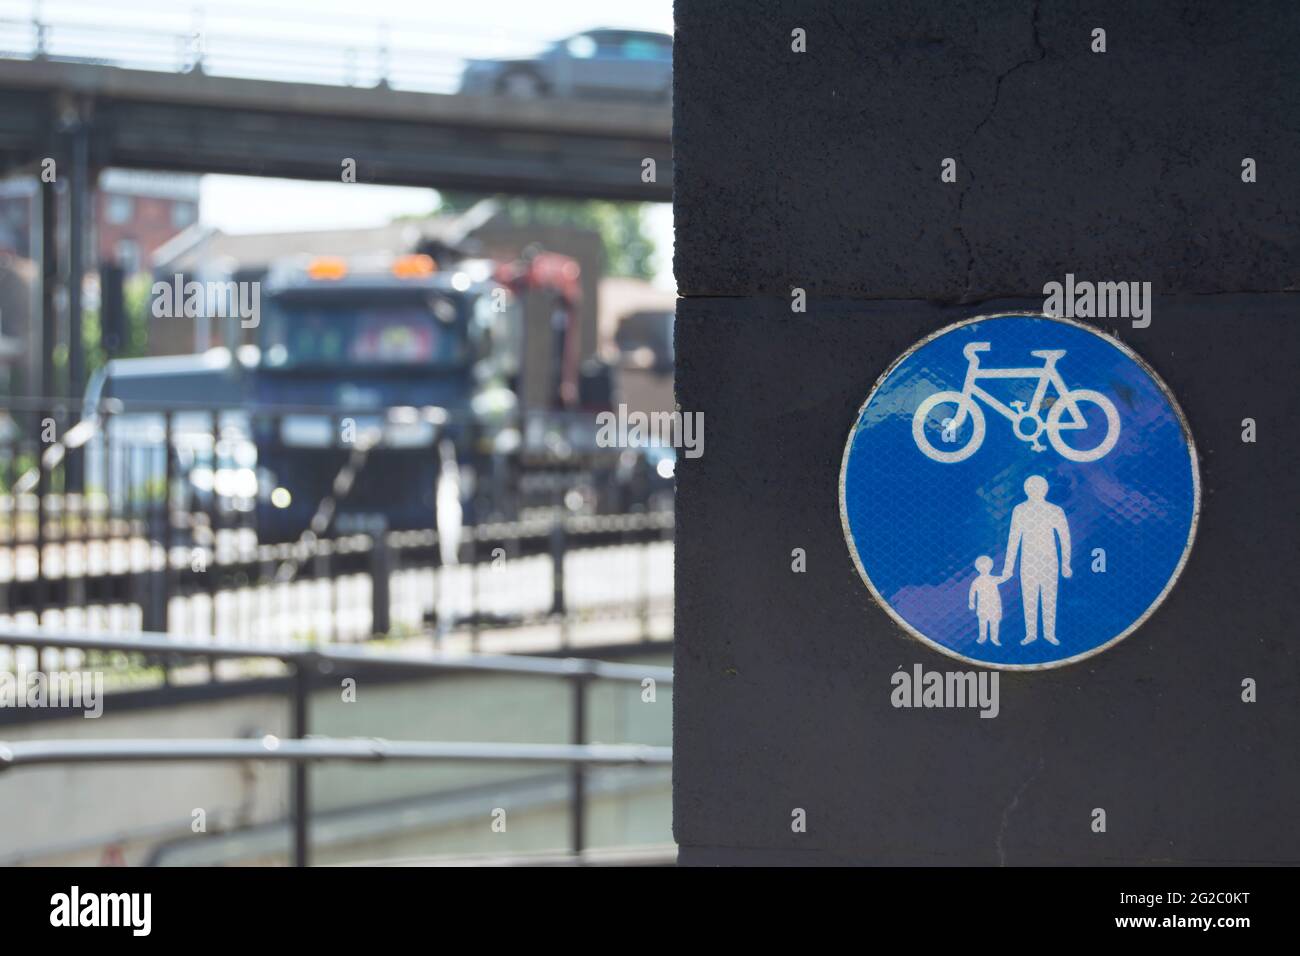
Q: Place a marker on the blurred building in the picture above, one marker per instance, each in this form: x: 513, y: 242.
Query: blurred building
x: 138, y: 212
x: 19, y: 215
x: 636, y: 333
x: 135, y: 212
x: 20, y: 357
x: 621, y: 296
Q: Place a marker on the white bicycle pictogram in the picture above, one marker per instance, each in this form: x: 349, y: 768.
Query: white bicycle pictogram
x: 1027, y: 422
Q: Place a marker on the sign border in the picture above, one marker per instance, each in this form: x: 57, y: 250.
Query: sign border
x: 1191, y: 531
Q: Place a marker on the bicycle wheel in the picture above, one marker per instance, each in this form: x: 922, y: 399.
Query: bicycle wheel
x: 1076, y: 399
x: 965, y: 405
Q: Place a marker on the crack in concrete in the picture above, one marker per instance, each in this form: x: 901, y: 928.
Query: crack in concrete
x: 1006, y: 813
x: 997, y: 86
x: 968, y: 175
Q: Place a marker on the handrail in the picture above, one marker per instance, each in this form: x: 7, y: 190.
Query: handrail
x: 146, y: 642
x: 354, y: 59
x: 302, y: 749
x: 369, y: 750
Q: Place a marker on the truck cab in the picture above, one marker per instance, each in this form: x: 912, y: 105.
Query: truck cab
x: 380, y: 393
x: 376, y: 371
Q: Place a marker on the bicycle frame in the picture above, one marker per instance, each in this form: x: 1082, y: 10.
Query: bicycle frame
x: 1046, y: 374
x: 1028, y: 421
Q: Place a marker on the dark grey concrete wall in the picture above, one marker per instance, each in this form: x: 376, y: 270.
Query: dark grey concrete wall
x: 821, y: 171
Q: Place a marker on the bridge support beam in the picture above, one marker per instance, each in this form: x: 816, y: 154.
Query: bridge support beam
x: 818, y: 239
x: 75, y: 143
x: 49, y: 287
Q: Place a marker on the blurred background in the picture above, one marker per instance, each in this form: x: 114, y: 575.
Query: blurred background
x: 308, y: 311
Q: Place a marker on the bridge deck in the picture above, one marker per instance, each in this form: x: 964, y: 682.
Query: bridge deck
x: 195, y: 122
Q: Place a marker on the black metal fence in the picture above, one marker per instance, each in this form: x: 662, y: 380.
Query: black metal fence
x: 117, y: 518
x: 307, y: 665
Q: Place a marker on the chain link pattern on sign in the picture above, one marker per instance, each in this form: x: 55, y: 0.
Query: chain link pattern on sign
x: 1019, y: 491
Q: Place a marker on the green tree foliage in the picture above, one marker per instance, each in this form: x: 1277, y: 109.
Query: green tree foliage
x: 137, y: 296
x: 136, y: 293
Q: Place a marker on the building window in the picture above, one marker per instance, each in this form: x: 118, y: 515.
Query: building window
x: 119, y: 209
x: 182, y: 214
x: 128, y: 255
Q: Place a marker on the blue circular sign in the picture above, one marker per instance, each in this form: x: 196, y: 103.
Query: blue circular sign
x: 1019, y: 491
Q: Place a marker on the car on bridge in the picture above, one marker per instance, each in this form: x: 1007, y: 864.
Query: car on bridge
x: 629, y: 64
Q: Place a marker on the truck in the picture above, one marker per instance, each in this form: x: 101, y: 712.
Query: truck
x: 390, y: 392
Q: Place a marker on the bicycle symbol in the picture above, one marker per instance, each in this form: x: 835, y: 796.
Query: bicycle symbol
x: 1028, y: 423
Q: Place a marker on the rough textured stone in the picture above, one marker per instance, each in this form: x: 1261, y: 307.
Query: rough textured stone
x: 822, y: 170
x: 783, y: 679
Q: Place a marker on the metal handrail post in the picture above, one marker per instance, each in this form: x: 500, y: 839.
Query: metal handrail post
x: 578, y: 797
x: 298, y: 728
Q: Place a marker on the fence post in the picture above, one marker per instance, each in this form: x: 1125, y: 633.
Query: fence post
x: 40, y: 584
x: 380, y: 568
x: 169, y: 576
x: 78, y: 217
x: 557, y: 561
x: 578, y: 773
x: 156, y: 586
x: 301, y: 792
x: 475, y: 624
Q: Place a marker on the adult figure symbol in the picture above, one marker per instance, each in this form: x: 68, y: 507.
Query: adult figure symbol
x: 1037, y: 526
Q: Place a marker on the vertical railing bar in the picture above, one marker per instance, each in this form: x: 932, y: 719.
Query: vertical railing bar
x: 214, y: 529
x: 167, y: 531
x: 578, y: 777
x: 475, y: 622
x: 298, y: 729
x: 39, y: 595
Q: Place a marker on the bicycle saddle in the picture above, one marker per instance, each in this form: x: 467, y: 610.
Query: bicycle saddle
x: 1048, y: 353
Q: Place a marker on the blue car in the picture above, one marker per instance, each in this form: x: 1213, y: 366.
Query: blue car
x: 624, y: 64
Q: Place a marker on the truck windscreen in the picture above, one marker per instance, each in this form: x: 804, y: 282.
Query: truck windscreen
x: 312, y: 332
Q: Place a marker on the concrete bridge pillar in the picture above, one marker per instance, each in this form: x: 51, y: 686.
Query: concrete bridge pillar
x: 851, y: 178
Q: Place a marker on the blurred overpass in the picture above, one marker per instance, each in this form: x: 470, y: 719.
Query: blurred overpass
x: 196, y: 122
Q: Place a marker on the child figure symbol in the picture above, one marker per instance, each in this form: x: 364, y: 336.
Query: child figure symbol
x: 985, y: 600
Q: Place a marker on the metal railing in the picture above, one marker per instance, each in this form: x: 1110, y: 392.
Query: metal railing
x: 427, y: 54
x: 166, y: 510
x: 300, y: 751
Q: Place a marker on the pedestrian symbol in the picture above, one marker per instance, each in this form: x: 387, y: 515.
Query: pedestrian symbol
x: 1030, y: 543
